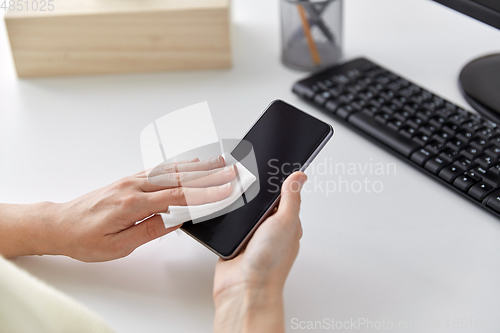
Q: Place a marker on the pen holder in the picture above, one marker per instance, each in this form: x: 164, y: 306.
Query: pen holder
x: 311, y: 33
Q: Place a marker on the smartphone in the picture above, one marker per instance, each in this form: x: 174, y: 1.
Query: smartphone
x: 284, y: 139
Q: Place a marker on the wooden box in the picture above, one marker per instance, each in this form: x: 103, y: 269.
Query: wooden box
x: 114, y: 36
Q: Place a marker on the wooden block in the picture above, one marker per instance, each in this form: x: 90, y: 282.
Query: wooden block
x: 114, y: 36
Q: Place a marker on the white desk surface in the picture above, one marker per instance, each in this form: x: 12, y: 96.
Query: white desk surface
x: 414, y: 252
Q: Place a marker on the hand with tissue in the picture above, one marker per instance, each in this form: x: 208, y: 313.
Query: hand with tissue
x: 248, y: 290
x: 102, y: 225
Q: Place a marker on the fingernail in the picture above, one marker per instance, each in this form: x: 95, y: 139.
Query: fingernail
x: 194, y: 160
x: 225, y: 186
x: 215, y: 160
x: 302, y: 179
x: 229, y: 169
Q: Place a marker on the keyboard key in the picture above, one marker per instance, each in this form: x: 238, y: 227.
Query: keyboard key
x: 398, y: 101
x: 417, y: 99
x: 456, y: 144
x: 387, y: 110
x: 457, y: 119
x: 408, y: 131
x: 336, y: 92
x: 331, y: 106
x: 486, y: 161
x: 376, y: 88
x: 494, y: 201
x: 495, y: 169
x: 395, y: 124
x: 481, y: 190
x: 394, y: 86
x: 471, y: 153
x: 465, y: 136
x: 305, y: 91
x: 468, y: 115
x: 406, y: 92
x: 473, y: 175
x: 449, y: 155
x: 378, y: 102
x: 424, y: 115
x: 353, y: 73
x: 450, y: 172
x: 358, y: 104
x: 387, y: 94
x: 451, y: 129
x: 392, y: 139
x: 450, y: 106
x: 410, y: 109
x: 322, y: 98
x: 401, y: 115
x: 340, y: 79
x: 421, y: 139
x: 425, y: 95
x: 430, y: 106
x: 463, y: 183
x: 321, y: 85
x: 415, y: 122
x: 345, y: 111
x: 465, y: 164
x: 328, y: 83
x: 436, y: 164
x: 485, y: 133
x: 435, y: 147
x: 479, y: 144
x: 437, y: 121
x: 445, y: 113
x: 421, y: 156
x: 488, y: 176
x: 382, y: 117
x: 355, y: 88
x: 493, y: 152
x: 367, y: 96
x: 371, y: 110
x: 428, y: 129
x: 490, y: 124
x: 393, y: 107
x: 471, y: 125
x: 346, y: 98
x: 441, y: 136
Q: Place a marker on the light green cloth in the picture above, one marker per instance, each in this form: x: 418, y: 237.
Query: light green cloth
x: 28, y: 305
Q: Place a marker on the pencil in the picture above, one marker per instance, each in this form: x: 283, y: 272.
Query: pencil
x: 307, y: 32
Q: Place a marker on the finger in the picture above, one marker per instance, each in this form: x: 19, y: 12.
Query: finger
x: 162, y: 168
x: 190, y: 179
x: 145, y: 231
x: 290, y: 194
x: 213, y: 163
x: 159, y: 201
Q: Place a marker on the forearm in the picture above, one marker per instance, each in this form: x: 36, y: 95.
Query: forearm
x: 257, y: 310
x: 27, y: 229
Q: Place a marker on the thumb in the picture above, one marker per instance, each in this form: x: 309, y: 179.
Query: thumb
x: 146, y: 231
x: 290, y: 194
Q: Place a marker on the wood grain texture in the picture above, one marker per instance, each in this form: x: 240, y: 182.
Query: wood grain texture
x: 178, y: 35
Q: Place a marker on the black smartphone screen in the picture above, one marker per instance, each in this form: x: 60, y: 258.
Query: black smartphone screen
x: 283, y: 140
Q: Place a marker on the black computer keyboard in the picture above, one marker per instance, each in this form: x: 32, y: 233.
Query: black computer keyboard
x: 457, y: 148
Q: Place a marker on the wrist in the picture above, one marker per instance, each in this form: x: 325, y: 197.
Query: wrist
x: 48, y: 225
x: 28, y: 229
x: 249, y: 309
